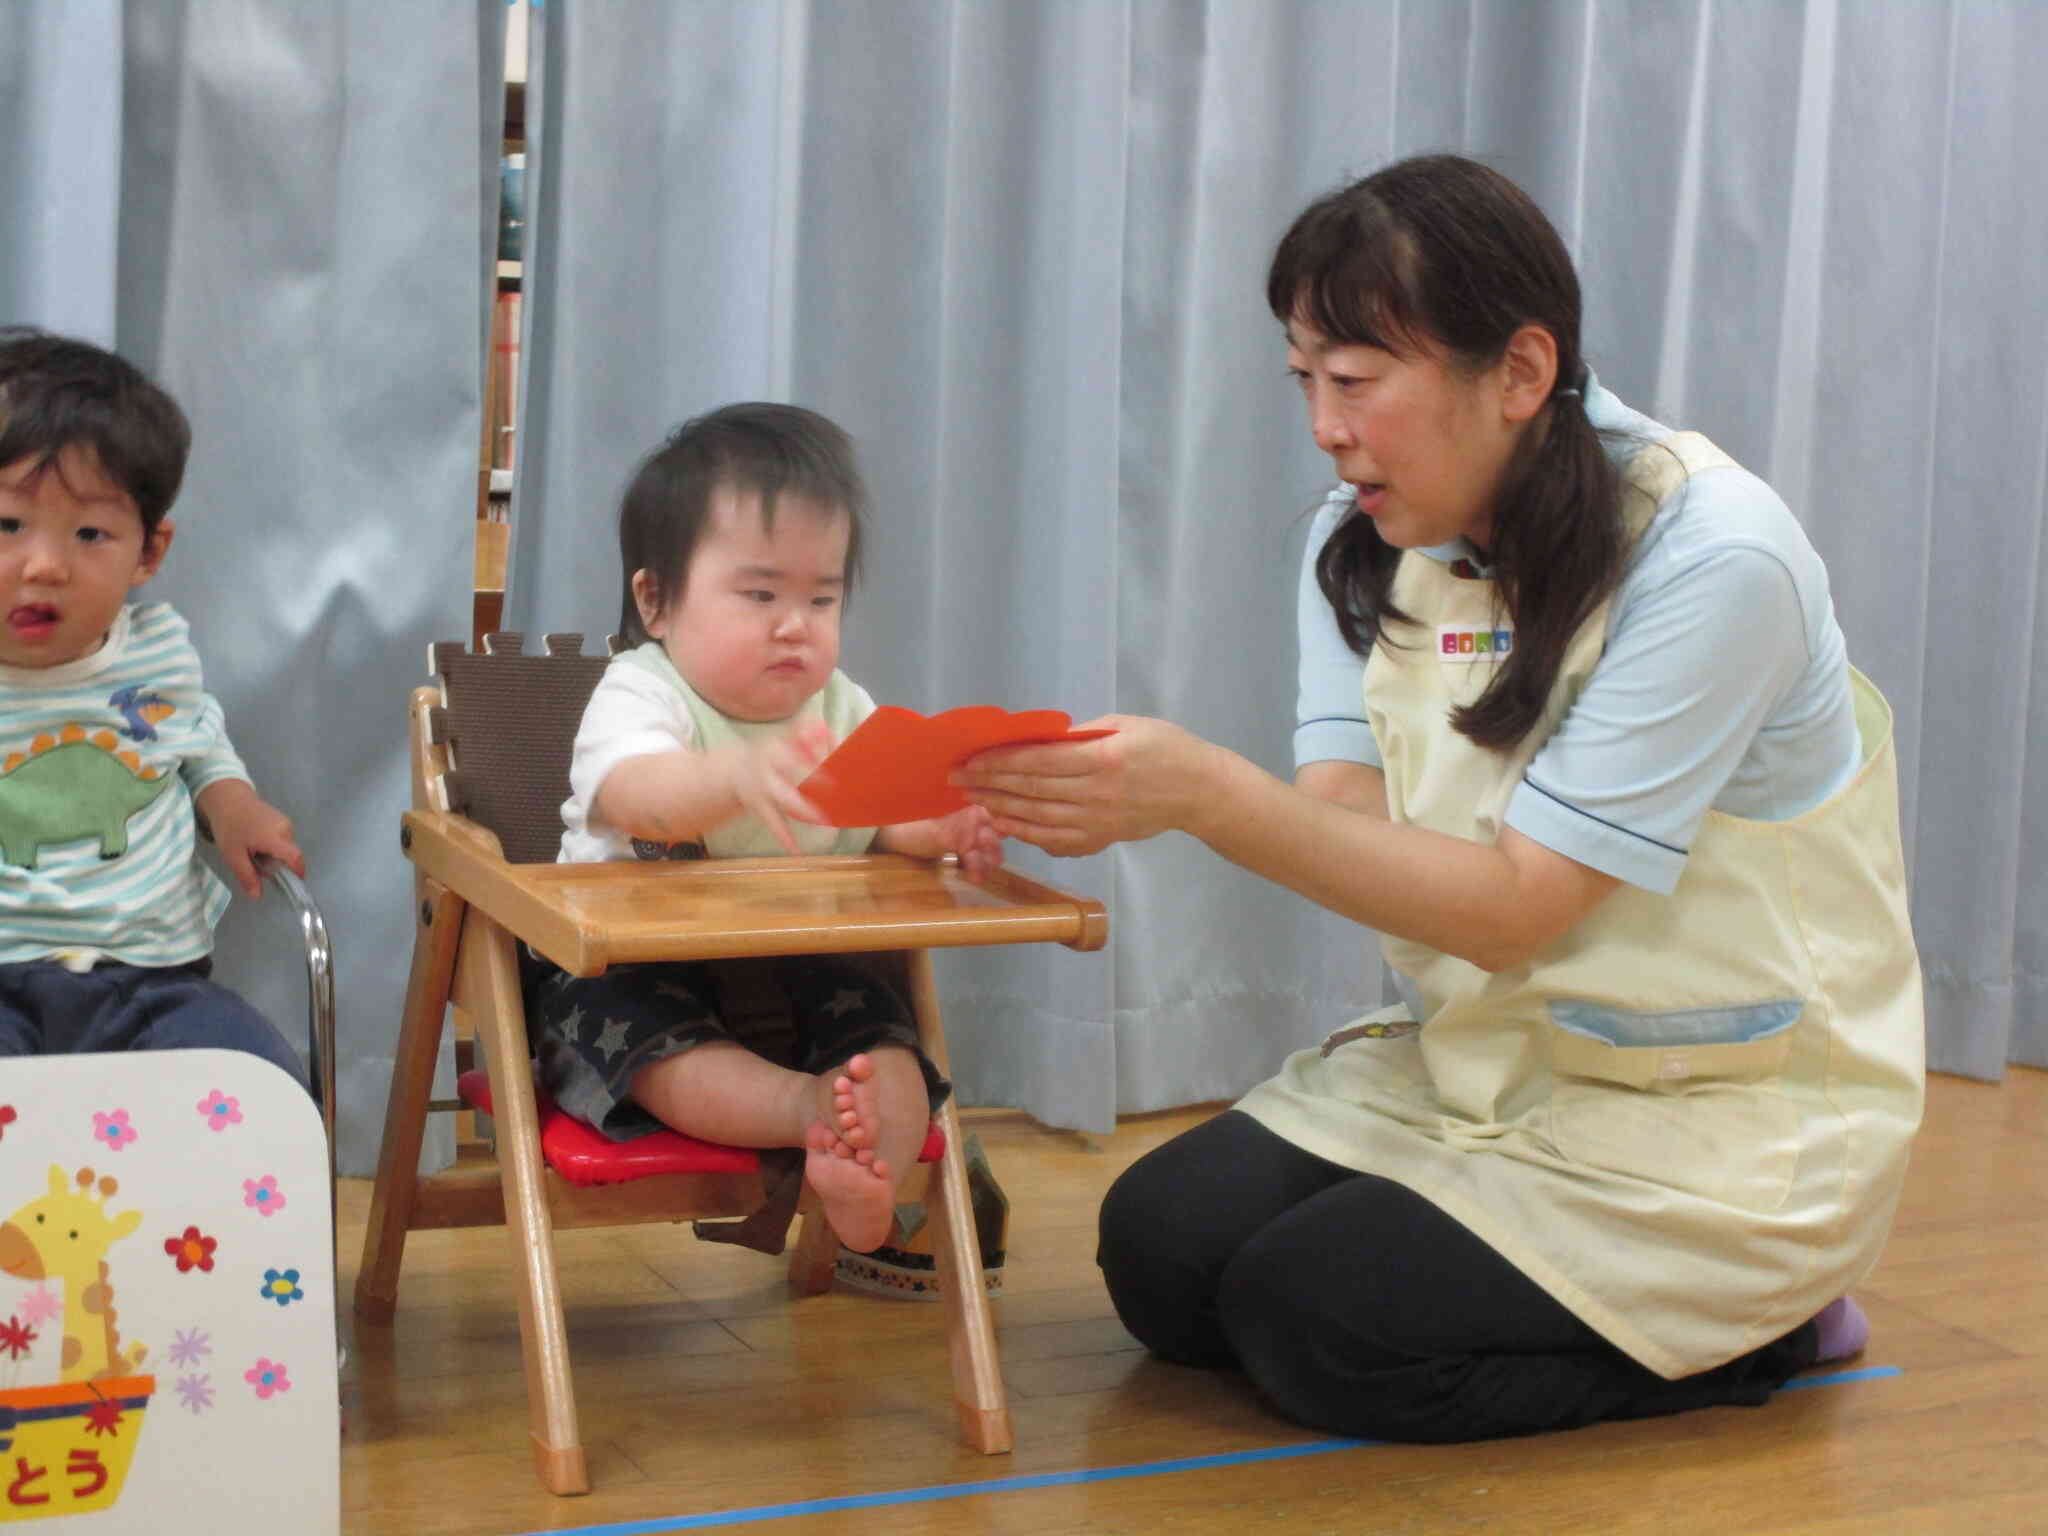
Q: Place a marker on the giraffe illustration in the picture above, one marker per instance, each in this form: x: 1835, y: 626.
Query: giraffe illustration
x: 65, y: 1236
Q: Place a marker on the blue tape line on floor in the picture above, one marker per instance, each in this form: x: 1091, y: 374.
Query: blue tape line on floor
x: 955, y: 1490
x: 1044, y: 1479
x: 1868, y: 1373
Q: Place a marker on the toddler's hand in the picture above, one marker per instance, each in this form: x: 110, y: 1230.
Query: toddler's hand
x: 971, y: 834
x: 765, y: 776
x: 244, y: 825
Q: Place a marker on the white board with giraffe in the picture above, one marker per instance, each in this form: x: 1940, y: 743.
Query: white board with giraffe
x: 167, y: 1340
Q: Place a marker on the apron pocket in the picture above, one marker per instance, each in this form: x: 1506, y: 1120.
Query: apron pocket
x: 1679, y: 1099
x: 1672, y: 1049
x: 1733, y: 1143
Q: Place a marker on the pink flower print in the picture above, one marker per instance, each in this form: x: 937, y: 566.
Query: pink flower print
x: 267, y: 1377
x: 220, y: 1111
x: 263, y: 1195
x: 113, y: 1129
x: 40, y: 1305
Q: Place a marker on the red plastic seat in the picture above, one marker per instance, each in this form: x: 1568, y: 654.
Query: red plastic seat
x: 583, y: 1156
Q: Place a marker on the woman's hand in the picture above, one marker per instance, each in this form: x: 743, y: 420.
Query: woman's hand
x: 1077, y: 797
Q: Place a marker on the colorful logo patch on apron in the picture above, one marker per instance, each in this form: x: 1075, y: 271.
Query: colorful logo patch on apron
x: 1456, y: 642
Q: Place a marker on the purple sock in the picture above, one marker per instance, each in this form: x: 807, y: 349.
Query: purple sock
x: 1843, y: 1329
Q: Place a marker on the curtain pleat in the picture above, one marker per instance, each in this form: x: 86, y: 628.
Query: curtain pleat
x: 60, y: 179
x: 1019, y: 251
x: 276, y: 209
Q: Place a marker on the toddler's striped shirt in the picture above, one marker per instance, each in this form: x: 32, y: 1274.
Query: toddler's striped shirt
x: 100, y: 759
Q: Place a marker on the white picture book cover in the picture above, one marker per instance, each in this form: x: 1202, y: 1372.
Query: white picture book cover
x: 167, y: 1311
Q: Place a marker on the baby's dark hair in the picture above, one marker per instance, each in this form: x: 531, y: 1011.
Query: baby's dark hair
x: 58, y: 393
x: 754, y: 448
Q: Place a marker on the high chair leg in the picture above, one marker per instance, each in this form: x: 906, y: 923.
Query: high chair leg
x: 979, y: 1397
x: 815, y: 1256
x: 439, y: 924
x: 489, y: 988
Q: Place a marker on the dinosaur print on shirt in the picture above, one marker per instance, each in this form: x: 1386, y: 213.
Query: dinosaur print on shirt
x: 71, y: 786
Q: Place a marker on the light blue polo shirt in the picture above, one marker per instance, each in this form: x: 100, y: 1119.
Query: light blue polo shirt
x: 1724, y: 684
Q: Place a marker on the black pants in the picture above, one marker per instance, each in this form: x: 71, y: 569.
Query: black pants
x: 1358, y: 1307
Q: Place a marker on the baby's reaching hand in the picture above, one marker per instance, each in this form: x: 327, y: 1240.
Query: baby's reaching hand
x: 765, y: 775
x: 971, y: 834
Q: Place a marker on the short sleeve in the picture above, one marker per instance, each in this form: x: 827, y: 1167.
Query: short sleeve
x: 1713, y: 632
x: 631, y: 713
x: 212, y: 756
x: 1329, y: 709
x: 158, y: 645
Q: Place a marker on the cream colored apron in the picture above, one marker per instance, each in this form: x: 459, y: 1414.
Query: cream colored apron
x: 1688, y: 1119
x: 839, y: 704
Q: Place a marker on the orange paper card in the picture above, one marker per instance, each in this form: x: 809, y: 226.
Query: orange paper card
x: 893, y: 767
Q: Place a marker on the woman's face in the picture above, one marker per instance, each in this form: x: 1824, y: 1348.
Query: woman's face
x: 1424, y: 442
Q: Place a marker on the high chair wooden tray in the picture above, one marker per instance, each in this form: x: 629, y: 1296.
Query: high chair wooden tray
x: 585, y: 917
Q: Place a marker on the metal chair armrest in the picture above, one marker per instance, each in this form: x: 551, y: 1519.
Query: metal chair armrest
x: 319, y: 984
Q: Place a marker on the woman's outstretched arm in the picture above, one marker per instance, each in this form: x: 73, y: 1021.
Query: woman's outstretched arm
x: 1357, y: 786
x: 1494, y: 906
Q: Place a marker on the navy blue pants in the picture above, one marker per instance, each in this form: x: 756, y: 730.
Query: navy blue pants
x: 1359, y: 1307
x: 46, y: 1010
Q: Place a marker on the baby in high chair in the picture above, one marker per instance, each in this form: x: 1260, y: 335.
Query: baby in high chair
x: 739, y: 540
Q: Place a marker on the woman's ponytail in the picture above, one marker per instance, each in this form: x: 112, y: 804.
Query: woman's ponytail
x: 1558, y: 549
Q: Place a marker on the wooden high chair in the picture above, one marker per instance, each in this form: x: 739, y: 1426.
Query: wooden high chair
x: 490, y: 763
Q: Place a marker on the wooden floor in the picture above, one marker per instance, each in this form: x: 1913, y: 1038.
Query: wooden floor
x: 702, y: 1389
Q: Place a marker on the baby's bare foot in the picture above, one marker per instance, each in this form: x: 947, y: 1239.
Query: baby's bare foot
x: 855, y: 1116
x: 854, y: 1187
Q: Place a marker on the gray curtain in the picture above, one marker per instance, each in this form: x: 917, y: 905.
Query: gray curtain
x: 60, y: 180
x: 275, y: 208
x: 1018, y: 250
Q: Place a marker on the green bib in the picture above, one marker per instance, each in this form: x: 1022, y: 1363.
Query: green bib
x: 840, y: 704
